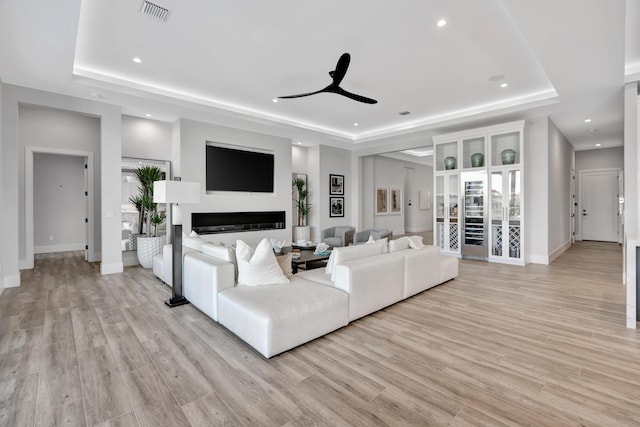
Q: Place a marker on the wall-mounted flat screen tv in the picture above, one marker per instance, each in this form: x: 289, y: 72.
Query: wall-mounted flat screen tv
x: 233, y: 169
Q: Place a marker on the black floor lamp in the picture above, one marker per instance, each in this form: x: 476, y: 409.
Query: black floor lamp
x: 176, y: 192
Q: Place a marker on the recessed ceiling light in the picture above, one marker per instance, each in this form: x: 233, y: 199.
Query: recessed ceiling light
x: 355, y: 124
x: 442, y: 23
x: 147, y: 115
x: 587, y: 120
x: 137, y: 60
x: 274, y: 100
x: 404, y: 113
x: 598, y: 145
x: 299, y: 143
x: 503, y: 85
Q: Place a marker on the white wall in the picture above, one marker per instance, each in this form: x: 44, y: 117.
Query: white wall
x: 299, y: 159
x: 536, y: 175
x: 631, y: 197
x: 107, y: 192
x: 380, y: 171
x: 192, y: 164
x: 420, y: 179
x: 338, y: 162
x: 59, y: 203
x: 606, y: 158
x: 51, y: 128
x: 559, y: 214
x: 146, y: 139
x: 2, y: 278
x: 314, y: 183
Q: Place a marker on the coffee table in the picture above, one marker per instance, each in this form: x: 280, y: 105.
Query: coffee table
x: 308, y: 259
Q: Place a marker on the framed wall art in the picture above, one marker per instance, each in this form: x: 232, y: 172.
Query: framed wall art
x: 382, y: 201
x: 336, y: 206
x: 336, y: 185
x: 395, y: 201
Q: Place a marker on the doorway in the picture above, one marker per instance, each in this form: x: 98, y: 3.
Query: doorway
x: 598, y: 213
x: 85, y: 199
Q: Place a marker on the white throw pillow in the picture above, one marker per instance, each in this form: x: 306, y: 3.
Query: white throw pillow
x: 193, y: 242
x: 347, y: 253
x: 399, y: 244
x: 384, y: 242
x: 193, y: 234
x: 415, y: 242
x: 258, y: 267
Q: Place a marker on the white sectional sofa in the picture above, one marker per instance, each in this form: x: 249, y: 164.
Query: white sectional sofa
x: 358, y: 280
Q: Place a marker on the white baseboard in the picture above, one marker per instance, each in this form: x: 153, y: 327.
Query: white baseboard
x: 555, y: 254
x: 539, y: 259
x: 11, y: 281
x: 48, y: 249
x: 417, y: 229
x: 111, y: 268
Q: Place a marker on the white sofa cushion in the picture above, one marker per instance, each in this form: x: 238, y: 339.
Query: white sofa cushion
x: 372, y: 283
x: 384, y: 241
x: 203, y: 278
x: 258, y: 266
x: 346, y: 253
x: 225, y: 253
x: 422, y: 269
x: 399, y: 244
x: 316, y: 275
x: 276, y: 318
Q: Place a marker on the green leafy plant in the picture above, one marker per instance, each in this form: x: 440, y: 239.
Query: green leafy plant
x: 147, y: 209
x: 300, y: 199
x: 156, y: 220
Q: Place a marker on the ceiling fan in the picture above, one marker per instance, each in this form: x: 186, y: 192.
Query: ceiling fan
x: 337, y: 75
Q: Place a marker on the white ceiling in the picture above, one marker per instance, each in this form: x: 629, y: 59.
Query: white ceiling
x: 566, y: 59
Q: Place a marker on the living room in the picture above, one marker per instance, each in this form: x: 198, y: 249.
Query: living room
x: 540, y: 344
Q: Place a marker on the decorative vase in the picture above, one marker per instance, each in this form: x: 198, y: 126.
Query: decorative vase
x: 302, y: 233
x: 508, y: 156
x: 449, y: 163
x: 477, y: 160
x: 147, y: 248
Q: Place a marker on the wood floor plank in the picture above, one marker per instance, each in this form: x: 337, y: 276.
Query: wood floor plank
x: 153, y: 403
x: 499, y: 345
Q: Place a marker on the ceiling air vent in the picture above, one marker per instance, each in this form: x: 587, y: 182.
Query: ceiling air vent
x: 404, y: 113
x: 153, y: 10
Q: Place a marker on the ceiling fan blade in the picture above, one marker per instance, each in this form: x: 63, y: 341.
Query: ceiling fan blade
x: 341, y: 69
x: 300, y: 95
x: 355, y: 97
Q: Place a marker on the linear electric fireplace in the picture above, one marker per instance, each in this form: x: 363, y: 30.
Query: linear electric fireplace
x: 233, y: 222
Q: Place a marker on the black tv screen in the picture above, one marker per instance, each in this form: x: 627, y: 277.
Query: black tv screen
x: 230, y: 169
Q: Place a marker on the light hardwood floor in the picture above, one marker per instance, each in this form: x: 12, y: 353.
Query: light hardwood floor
x: 499, y: 345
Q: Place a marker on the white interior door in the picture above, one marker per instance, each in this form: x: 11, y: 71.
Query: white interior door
x: 599, y: 205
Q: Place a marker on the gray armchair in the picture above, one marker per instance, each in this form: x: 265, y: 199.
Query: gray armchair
x: 338, y: 236
x: 376, y: 233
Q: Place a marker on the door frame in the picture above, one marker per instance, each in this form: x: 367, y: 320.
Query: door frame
x: 29, y: 153
x: 581, y: 173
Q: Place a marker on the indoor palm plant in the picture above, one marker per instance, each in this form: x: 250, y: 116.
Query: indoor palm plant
x: 300, y: 196
x: 151, y: 244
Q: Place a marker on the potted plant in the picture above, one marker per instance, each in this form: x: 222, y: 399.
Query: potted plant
x: 300, y: 194
x: 151, y: 244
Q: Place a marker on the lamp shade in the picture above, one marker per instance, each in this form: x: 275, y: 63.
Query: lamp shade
x: 176, y: 192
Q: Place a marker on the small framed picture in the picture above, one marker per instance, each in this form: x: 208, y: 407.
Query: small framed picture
x: 336, y: 185
x: 396, y: 201
x: 336, y: 206
x: 382, y: 201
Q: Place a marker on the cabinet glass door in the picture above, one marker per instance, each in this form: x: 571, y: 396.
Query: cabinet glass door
x: 497, y: 213
x: 440, y: 211
x: 454, y: 226
x: 513, y: 187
